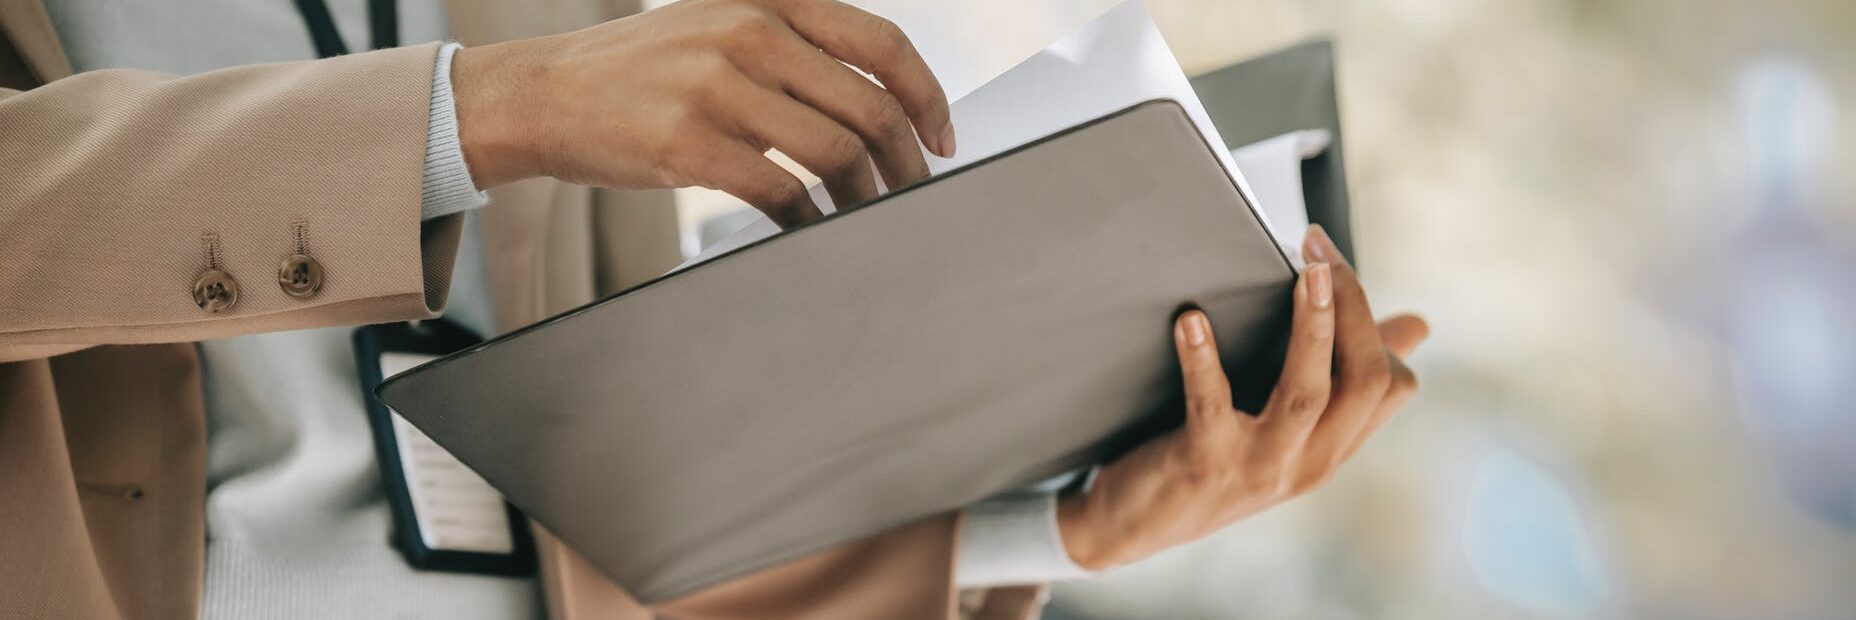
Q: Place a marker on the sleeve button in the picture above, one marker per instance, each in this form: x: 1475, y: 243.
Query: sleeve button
x: 300, y: 276
x: 215, y: 291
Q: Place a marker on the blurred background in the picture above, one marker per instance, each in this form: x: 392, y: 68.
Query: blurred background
x: 1630, y: 228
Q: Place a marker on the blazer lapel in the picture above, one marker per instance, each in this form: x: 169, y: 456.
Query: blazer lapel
x: 30, y: 30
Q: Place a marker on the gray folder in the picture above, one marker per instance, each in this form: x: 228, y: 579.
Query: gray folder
x: 988, y: 328
x: 1276, y: 93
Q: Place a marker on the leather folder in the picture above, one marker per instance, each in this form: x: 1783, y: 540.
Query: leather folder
x: 990, y: 327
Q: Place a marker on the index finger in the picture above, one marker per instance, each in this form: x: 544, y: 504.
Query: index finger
x: 1208, y: 392
x: 880, y: 48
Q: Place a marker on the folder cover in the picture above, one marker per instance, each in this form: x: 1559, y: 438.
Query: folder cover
x: 987, y: 328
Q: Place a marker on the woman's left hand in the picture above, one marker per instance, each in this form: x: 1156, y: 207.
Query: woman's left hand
x: 1343, y: 378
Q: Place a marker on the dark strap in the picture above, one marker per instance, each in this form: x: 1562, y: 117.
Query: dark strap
x: 383, y: 24
x: 383, y: 18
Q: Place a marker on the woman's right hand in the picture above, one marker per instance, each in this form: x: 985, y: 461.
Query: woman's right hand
x: 695, y: 94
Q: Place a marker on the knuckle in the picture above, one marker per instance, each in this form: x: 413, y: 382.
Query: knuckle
x: 1203, y: 470
x: 783, y: 193
x: 891, y: 43
x: 884, y: 117
x: 706, y: 76
x: 1205, y: 404
x: 1379, y: 379
x: 710, y: 63
x: 750, y: 22
x: 1264, y: 479
x: 844, y: 153
x: 1318, y: 339
x: 1282, y: 489
x: 1372, y: 377
x: 1304, y: 401
x: 685, y: 120
x: 706, y: 93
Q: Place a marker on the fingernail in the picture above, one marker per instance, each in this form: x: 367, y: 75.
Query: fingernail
x: 1195, y: 328
x: 1328, y: 248
x: 947, y: 141
x: 1313, y: 250
x: 1320, y: 285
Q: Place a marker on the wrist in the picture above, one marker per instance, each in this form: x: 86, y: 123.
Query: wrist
x: 495, y: 129
x: 1080, y: 539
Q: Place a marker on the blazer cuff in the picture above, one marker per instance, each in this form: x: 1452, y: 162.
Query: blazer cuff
x: 447, y: 186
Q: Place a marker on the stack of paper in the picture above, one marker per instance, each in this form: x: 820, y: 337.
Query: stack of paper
x: 1063, y: 62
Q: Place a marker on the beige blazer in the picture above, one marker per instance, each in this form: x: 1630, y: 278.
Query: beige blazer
x: 118, y: 189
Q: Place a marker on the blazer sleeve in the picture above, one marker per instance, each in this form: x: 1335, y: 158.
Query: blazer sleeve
x: 120, y: 188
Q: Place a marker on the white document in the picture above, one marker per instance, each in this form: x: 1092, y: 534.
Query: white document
x: 456, y: 509
x: 969, y: 42
x: 1113, y: 61
x: 1274, y: 168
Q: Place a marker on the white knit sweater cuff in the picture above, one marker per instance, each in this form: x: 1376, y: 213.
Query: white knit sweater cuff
x: 447, y: 188
x: 1012, y: 540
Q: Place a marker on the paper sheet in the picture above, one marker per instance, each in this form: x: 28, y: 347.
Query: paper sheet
x: 969, y: 42
x: 1113, y: 61
x: 964, y: 42
x: 456, y: 509
x: 1274, y: 168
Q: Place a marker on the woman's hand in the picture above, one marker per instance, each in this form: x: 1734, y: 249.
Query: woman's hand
x: 695, y: 93
x: 1342, y: 379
